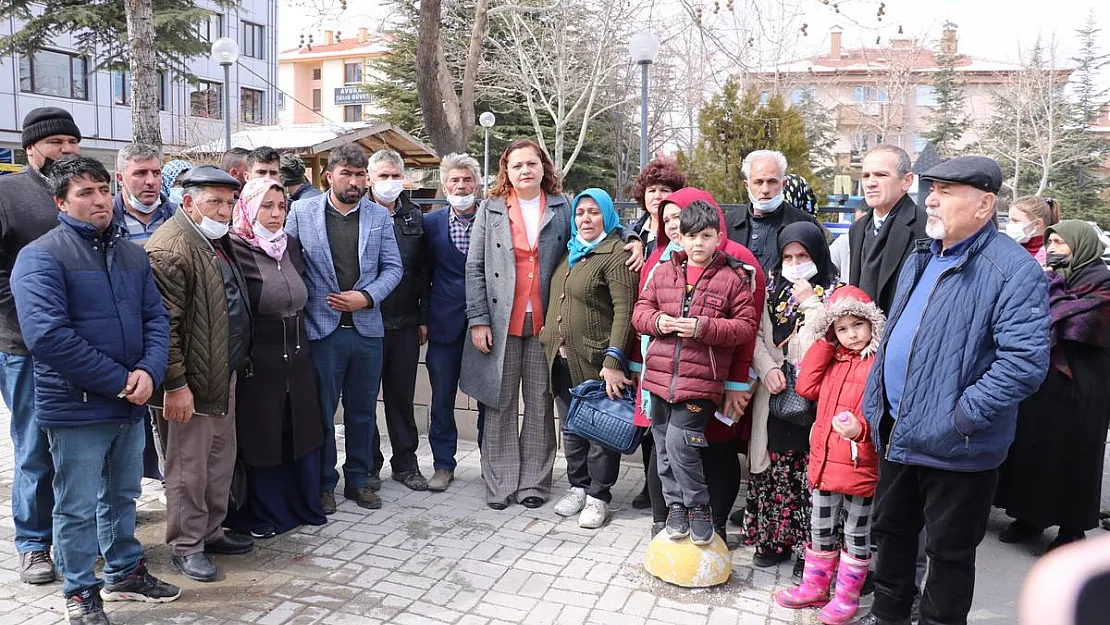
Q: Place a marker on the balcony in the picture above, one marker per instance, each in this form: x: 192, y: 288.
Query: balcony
x: 870, y: 114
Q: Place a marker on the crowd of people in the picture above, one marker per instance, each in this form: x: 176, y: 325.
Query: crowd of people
x: 203, y: 325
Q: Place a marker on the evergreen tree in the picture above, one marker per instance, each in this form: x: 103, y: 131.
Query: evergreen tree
x: 948, y: 121
x: 820, y: 125
x: 1090, y: 96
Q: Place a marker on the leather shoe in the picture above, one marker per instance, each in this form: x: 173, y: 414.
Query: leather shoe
x: 497, y: 505
x: 871, y: 619
x: 197, y: 566
x: 532, y: 502
x: 230, y: 544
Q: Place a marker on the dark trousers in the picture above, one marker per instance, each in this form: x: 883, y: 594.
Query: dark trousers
x: 444, y: 362
x: 721, y: 465
x: 400, y: 357
x: 679, y: 431
x: 953, y: 508
x: 590, y: 466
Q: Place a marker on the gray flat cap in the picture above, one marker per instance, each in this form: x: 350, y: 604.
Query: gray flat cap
x: 208, y: 176
x: 975, y: 171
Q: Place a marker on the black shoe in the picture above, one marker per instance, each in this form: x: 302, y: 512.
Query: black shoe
x: 643, y: 500
x: 327, y: 501
x: 701, y: 524
x: 868, y: 584
x: 374, y: 483
x: 263, y: 531
x: 497, y: 505
x: 364, y: 497
x: 657, y: 527
x: 767, y: 560
x: 84, y: 607
x: 871, y: 619
x: 411, y: 479
x: 532, y: 502
x: 197, y: 566
x: 141, y: 586
x: 737, y: 517
x: 799, y: 567
x: 678, y: 522
x: 1064, y: 537
x: 1019, y: 531
x: 230, y: 545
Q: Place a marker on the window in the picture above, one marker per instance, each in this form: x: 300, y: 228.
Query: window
x: 352, y: 113
x: 316, y: 74
x: 121, y: 87
x: 250, y: 105
x: 161, y: 91
x: 212, y: 28
x: 316, y: 98
x: 206, y: 100
x: 919, y: 143
x: 764, y: 97
x: 54, y: 73
x: 281, y: 100
x: 925, y: 95
x: 862, y: 94
x: 253, y: 40
x: 862, y: 142
x: 880, y: 95
x: 352, y: 73
x: 799, y: 95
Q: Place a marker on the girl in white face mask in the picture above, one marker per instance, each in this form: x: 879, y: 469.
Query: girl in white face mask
x: 1028, y: 218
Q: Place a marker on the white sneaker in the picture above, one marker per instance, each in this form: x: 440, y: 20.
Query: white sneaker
x: 572, y: 502
x: 594, y: 514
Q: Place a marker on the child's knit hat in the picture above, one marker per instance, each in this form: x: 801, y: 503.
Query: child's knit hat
x: 850, y: 300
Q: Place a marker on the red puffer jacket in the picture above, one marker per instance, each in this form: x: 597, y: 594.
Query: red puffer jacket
x: 678, y: 369
x: 835, y: 378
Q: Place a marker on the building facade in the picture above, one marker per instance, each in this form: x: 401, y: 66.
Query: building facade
x: 191, y: 114
x: 324, y: 79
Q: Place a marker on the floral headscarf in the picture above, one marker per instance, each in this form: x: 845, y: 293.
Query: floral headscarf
x: 798, y: 192
x: 246, y: 212
x: 171, y: 171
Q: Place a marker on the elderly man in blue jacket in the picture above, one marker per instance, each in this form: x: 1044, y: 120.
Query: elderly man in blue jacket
x: 94, y: 322
x: 967, y: 340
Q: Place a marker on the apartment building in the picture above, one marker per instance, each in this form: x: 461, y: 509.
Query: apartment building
x: 324, y: 78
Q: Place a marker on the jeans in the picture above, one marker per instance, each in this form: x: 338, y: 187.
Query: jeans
x: 679, y: 432
x: 32, y: 494
x: 444, y: 362
x: 98, y: 475
x: 953, y: 508
x: 348, y: 365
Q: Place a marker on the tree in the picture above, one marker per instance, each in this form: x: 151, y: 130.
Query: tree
x: 820, y: 124
x: 146, y: 36
x: 1090, y: 95
x: 948, y: 121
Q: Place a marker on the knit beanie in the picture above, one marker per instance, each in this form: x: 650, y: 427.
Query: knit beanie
x: 292, y: 170
x: 48, y: 121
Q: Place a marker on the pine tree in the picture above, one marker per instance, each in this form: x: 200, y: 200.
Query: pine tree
x: 1089, y: 94
x: 948, y: 121
x: 820, y: 125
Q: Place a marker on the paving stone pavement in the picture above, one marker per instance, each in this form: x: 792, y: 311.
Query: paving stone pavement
x: 445, y: 558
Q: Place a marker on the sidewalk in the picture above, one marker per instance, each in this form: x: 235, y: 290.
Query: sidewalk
x: 445, y: 558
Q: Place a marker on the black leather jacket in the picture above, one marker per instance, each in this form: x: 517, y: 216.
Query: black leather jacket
x: 407, y: 305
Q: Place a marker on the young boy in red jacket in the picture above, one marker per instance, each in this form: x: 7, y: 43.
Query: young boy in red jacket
x: 698, y: 308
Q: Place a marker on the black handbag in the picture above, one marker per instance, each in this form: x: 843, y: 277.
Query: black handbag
x: 599, y: 419
x: 788, y: 405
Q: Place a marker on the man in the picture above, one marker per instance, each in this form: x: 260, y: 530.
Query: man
x: 99, y: 335
x: 210, y: 332
x: 140, y: 205
x: 404, y: 314
x: 351, y: 265
x: 263, y: 162
x: 757, y: 226
x: 968, y: 339
x: 235, y: 163
x: 881, y: 242
x: 292, y: 176
x: 28, y: 211
x: 447, y: 235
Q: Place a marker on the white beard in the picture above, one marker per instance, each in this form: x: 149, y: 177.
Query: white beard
x: 935, y: 229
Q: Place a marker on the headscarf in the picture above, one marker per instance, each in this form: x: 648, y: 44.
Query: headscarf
x: 170, y: 173
x: 577, y: 246
x: 784, y: 311
x: 1079, y: 294
x: 246, y: 212
x: 798, y: 192
x: 1085, y: 245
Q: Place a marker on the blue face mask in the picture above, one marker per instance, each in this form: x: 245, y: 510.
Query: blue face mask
x: 177, y: 195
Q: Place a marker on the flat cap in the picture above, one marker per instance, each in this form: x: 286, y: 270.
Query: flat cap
x: 292, y: 169
x: 208, y: 176
x: 975, y: 171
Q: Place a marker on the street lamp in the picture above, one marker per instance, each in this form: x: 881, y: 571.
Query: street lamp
x: 487, y: 120
x: 225, y: 51
x: 643, y: 46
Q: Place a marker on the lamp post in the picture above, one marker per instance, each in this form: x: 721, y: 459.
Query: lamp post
x: 225, y: 51
x: 643, y: 46
x: 487, y: 120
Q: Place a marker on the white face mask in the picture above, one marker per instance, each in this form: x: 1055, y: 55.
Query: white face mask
x: 768, y: 206
x: 804, y: 271
x: 264, y: 233
x: 460, y: 202
x: 388, y: 190
x: 177, y: 195
x: 145, y: 209
x: 1018, y: 232
x: 211, y: 228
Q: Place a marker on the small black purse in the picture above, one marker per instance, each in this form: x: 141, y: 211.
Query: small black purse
x: 788, y: 405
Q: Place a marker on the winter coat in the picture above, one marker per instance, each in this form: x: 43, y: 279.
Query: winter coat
x: 723, y: 304
x: 981, y: 347
x: 407, y: 305
x: 907, y: 225
x: 27, y: 211
x: 90, y: 314
x: 836, y: 378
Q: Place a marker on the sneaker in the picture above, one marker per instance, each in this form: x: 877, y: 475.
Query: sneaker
x: 84, y: 607
x: 678, y: 522
x: 413, y: 480
x: 140, y: 586
x: 263, y: 531
x: 572, y: 502
x: 365, y: 497
x: 327, y: 501
x: 701, y: 524
x: 440, y: 480
x: 36, y: 567
x: 593, y: 514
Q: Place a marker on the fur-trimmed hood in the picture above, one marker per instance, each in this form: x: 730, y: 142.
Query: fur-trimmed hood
x: 850, y: 300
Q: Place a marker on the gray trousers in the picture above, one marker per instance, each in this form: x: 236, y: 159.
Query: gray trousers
x: 679, y: 433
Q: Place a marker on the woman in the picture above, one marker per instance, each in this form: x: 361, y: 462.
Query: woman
x: 278, y: 426
x: 1053, y: 474
x: 171, y: 173
x: 776, y: 517
x: 1027, y: 220
x: 587, y: 331
x: 797, y: 191
x: 519, y: 235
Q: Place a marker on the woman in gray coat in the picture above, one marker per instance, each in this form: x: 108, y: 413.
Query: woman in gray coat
x: 519, y: 236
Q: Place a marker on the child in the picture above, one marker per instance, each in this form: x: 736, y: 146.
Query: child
x: 698, y: 308
x: 843, y: 465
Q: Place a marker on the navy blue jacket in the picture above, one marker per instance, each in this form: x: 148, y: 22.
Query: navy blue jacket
x: 90, y: 313
x: 981, y: 348
x: 447, y: 302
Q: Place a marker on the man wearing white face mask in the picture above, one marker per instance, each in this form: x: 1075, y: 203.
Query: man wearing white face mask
x: 757, y: 225
x: 140, y: 203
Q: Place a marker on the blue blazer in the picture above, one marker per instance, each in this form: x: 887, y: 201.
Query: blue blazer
x: 380, y: 263
x: 447, y: 304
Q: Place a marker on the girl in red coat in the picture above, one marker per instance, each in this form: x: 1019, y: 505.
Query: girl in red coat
x: 843, y: 465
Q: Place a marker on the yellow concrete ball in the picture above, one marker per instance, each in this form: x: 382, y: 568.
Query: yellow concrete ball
x: 682, y: 563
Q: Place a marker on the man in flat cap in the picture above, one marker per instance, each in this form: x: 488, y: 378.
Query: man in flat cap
x: 967, y: 340
x: 28, y: 211
x: 210, y: 333
x: 292, y: 176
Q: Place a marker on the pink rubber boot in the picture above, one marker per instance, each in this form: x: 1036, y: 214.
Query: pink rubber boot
x: 849, y: 581
x: 816, y: 578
